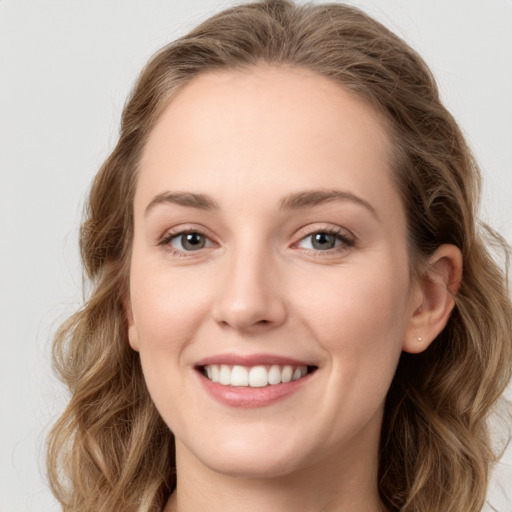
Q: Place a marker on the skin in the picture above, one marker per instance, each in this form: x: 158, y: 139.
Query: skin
x: 248, y: 140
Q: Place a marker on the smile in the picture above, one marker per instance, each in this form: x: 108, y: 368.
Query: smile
x: 257, y: 380
x: 253, y: 376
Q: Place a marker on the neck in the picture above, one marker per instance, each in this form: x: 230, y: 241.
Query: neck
x: 343, y: 484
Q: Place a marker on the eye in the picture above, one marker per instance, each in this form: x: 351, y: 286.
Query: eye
x: 189, y: 241
x: 324, y: 241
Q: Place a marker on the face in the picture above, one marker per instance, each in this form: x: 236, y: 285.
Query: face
x: 269, y: 285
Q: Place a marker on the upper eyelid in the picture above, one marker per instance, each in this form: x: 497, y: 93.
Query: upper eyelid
x: 307, y: 230
x: 183, y: 229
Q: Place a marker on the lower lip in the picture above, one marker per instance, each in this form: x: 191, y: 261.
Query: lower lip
x: 248, y: 397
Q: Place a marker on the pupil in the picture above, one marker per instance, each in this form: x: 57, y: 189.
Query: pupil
x: 193, y: 241
x: 323, y: 241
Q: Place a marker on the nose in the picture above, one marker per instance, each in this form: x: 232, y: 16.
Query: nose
x: 250, y: 296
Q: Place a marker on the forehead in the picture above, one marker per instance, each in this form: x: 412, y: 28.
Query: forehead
x: 269, y: 128
x: 264, y: 99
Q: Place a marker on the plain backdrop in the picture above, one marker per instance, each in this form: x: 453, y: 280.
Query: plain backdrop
x: 66, y: 67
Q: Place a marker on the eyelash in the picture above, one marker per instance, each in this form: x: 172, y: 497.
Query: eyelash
x: 338, y: 233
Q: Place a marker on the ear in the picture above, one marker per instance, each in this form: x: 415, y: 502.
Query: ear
x: 133, y: 335
x: 433, y: 298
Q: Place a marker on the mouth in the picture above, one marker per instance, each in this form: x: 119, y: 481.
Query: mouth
x: 258, y: 376
x: 253, y: 380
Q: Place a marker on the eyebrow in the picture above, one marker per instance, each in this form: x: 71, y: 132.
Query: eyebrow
x: 311, y: 198
x: 294, y: 201
x: 188, y: 199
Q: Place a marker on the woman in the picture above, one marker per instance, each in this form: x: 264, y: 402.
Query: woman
x: 293, y: 306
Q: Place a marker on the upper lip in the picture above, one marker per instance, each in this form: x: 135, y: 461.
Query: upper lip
x: 252, y: 360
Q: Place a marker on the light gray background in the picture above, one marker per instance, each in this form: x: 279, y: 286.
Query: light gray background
x: 66, y: 67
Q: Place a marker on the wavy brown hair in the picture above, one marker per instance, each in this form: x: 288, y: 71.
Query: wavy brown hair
x: 110, y: 450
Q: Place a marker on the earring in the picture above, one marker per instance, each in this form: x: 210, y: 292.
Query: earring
x: 420, y: 338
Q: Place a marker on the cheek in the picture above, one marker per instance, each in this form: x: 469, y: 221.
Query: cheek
x: 166, y: 310
x: 360, y: 318
x: 166, y: 317
x: 360, y: 325
x: 167, y: 314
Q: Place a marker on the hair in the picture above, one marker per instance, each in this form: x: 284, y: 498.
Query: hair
x: 110, y: 450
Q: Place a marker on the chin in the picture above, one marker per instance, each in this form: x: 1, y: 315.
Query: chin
x: 248, y: 467
x: 243, y: 458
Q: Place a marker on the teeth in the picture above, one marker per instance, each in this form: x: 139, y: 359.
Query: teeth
x: 254, y: 376
x: 287, y: 374
x: 239, y: 376
x: 274, y: 375
x: 296, y: 374
x: 225, y: 375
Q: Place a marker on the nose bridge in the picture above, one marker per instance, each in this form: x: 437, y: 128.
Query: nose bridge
x: 249, y: 295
